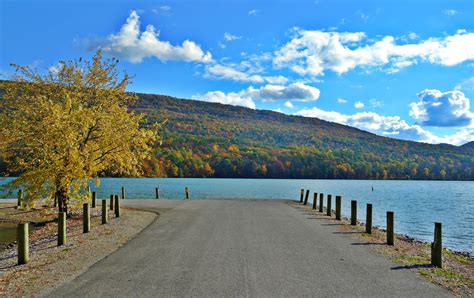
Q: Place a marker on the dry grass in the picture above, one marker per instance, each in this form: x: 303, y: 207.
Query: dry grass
x: 457, y: 274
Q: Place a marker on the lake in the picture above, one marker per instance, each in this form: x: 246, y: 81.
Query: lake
x: 416, y: 204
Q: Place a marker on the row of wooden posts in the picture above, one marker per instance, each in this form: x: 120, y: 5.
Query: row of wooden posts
x: 436, y: 246
x: 114, y: 204
x: 22, y: 230
x: 157, y: 193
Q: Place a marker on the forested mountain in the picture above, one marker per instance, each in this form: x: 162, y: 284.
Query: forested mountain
x: 201, y: 139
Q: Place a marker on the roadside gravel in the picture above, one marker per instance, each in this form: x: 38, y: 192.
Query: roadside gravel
x: 51, y: 266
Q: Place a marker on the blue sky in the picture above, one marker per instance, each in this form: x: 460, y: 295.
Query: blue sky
x: 403, y: 69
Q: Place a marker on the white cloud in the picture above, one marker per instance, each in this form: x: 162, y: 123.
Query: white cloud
x: 314, y: 52
x: 231, y: 98
x: 134, y: 45
x: 295, y: 91
x: 231, y: 37
x: 466, y: 84
x: 450, y: 12
x: 220, y: 71
x: 436, y: 108
x: 247, y: 97
x: 374, y: 103
x: 359, y: 105
x: 390, y: 126
x: 341, y: 100
x: 253, y: 12
x: 162, y: 9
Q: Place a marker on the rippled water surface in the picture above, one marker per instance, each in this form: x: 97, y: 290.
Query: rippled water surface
x: 417, y: 204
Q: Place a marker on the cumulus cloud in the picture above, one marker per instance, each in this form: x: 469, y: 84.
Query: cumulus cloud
x: 134, y: 45
x: 390, y: 126
x: 231, y: 98
x: 359, y: 105
x: 231, y: 37
x: 314, y: 52
x: 341, y: 100
x: 443, y: 109
x: 295, y: 91
x: 247, y: 97
x: 229, y: 72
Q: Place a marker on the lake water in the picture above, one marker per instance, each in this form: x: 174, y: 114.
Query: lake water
x: 416, y: 204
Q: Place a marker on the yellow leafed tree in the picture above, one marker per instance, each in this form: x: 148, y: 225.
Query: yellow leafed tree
x: 63, y: 127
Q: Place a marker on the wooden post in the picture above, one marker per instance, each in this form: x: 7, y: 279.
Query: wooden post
x: 306, y: 197
x: 315, y: 198
x: 61, y: 228
x: 111, y: 202
x: 104, y: 211
x: 187, y: 193
x: 437, y: 247
x: 301, y: 195
x: 390, y: 230
x: 321, y: 203
x: 123, y: 193
x: 94, y: 198
x: 338, y: 207
x: 86, y: 218
x: 329, y: 206
x: 368, y: 219
x: 157, y: 193
x: 20, y: 198
x: 353, y: 213
x: 117, y: 206
x: 23, y: 246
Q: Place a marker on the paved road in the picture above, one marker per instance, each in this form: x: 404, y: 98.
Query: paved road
x: 254, y: 248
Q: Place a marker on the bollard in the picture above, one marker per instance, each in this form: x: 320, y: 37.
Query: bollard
x: 104, y: 211
x: 86, y: 218
x: 306, y: 197
x: 23, y: 246
x: 111, y: 202
x: 321, y: 203
x: 187, y: 192
x: 338, y: 207
x: 94, y: 198
x: 157, y: 193
x: 328, y: 208
x: 437, y: 247
x: 61, y: 228
x: 353, y: 213
x: 117, y: 206
x: 315, y: 198
x: 123, y: 193
x: 20, y: 198
x: 368, y: 219
x: 390, y: 236
x: 301, y: 195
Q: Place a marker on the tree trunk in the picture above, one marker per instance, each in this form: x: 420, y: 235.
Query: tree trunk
x: 63, y: 199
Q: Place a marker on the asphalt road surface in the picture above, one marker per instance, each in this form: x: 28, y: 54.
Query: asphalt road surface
x: 222, y: 248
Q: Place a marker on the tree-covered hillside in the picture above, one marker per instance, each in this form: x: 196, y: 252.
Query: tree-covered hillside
x: 201, y: 139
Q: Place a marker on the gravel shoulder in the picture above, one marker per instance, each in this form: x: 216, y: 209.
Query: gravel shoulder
x: 51, y: 266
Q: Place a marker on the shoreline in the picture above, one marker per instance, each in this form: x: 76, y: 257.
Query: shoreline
x: 464, y: 253
x: 457, y: 274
